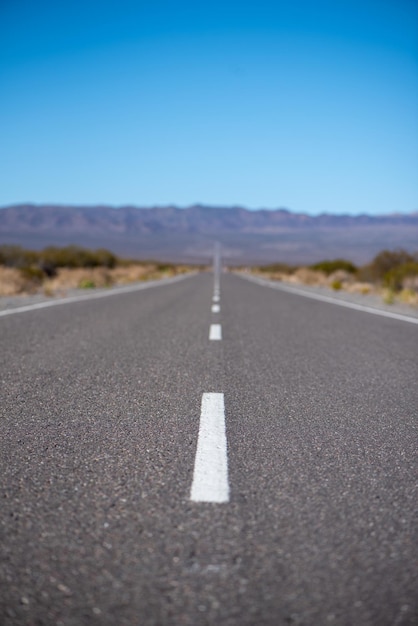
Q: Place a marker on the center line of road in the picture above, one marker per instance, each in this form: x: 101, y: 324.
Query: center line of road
x: 215, y: 308
x: 210, y: 476
x: 215, y: 298
x: 215, y: 332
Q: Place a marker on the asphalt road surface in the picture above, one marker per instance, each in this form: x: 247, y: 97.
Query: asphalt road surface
x: 151, y: 475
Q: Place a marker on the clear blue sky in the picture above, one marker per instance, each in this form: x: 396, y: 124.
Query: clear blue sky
x: 310, y: 105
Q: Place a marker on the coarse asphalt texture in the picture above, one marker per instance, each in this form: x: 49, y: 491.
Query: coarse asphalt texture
x: 99, y: 417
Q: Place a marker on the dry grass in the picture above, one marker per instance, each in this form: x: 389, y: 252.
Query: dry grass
x: 13, y: 282
x: 132, y: 273
x: 307, y: 276
x: 72, y: 278
x: 359, y: 287
x: 346, y: 281
x: 301, y: 276
x: 409, y: 296
x: 340, y: 276
x: 273, y: 275
x: 410, y: 284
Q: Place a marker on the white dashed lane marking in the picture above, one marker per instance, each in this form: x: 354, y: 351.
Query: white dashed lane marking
x: 215, y: 308
x: 215, y: 332
x: 210, y: 476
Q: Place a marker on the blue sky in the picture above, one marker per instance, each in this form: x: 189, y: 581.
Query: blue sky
x: 310, y: 105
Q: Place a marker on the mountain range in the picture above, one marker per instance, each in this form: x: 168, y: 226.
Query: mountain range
x: 188, y: 234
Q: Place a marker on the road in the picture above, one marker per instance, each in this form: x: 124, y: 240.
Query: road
x: 310, y: 518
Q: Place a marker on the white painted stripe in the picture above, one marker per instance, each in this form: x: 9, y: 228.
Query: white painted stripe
x: 216, y: 268
x: 114, y: 291
x: 215, y: 298
x: 210, y: 476
x: 215, y: 332
x: 215, y: 308
x: 323, y: 298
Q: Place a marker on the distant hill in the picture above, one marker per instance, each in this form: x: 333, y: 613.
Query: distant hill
x: 188, y: 234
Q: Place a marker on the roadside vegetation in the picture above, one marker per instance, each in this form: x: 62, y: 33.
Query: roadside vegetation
x: 392, y: 274
x: 54, y: 270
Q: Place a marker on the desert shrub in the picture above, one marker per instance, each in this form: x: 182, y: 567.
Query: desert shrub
x: 329, y: 267
x: 395, y: 277
x: 33, y: 277
x: 31, y: 272
x: 281, y: 268
x: 384, y: 262
x: 86, y: 283
x: 15, y: 256
x: 388, y: 296
x: 337, y: 285
x: 105, y: 258
x: 164, y: 267
x: 76, y: 257
x: 48, y: 268
x: 69, y: 256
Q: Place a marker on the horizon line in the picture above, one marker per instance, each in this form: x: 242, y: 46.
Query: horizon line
x: 201, y: 205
